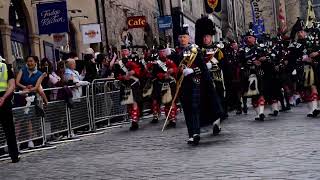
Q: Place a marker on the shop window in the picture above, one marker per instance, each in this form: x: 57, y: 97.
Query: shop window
x: 19, y: 35
x: 17, y: 50
x: 49, y: 52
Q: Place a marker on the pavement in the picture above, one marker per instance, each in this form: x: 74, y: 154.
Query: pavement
x: 285, y: 147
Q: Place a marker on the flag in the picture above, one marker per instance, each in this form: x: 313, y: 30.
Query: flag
x: 212, y: 6
x: 311, y: 16
x: 282, y: 17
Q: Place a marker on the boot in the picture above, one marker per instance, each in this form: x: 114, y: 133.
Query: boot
x: 134, y: 126
x: 156, y: 113
x: 172, y: 124
x: 135, y: 118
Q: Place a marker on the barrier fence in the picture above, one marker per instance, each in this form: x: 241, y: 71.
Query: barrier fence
x: 99, y: 107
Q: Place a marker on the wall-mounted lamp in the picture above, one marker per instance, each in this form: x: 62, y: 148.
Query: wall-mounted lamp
x: 75, y: 11
x: 72, y: 17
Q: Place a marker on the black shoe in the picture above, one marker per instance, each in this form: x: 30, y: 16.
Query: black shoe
x: 298, y: 101
x: 15, y: 160
x: 260, y: 118
x: 245, y: 110
x: 310, y: 115
x: 171, y: 124
x: 154, y: 121
x: 190, y: 140
x: 134, y: 126
x: 239, y: 112
x: 196, y: 139
x: 316, y: 112
x: 275, y: 113
x: 285, y: 109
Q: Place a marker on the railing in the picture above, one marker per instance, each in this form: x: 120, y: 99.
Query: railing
x: 98, y: 107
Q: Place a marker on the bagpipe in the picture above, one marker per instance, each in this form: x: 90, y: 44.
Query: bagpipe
x: 148, y: 86
x: 128, y: 86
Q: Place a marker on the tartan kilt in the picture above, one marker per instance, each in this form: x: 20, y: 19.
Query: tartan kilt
x: 157, y: 93
x: 136, y: 90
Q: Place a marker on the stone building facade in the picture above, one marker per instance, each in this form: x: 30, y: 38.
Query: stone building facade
x: 233, y: 18
x: 110, y: 14
x: 117, y: 14
x: 21, y: 38
x: 270, y: 12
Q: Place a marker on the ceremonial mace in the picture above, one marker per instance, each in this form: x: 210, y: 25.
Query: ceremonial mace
x: 189, y: 61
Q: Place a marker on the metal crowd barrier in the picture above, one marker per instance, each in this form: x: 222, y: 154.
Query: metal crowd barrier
x: 99, y: 105
x: 98, y: 109
x: 106, y: 106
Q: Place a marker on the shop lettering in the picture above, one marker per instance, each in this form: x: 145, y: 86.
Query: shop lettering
x: 51, y: 17
x: 136, y: 22
x: 256, y: 9
x: 139, y: 22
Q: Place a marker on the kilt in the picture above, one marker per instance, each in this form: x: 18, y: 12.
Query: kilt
x: 136, y: 90
x: 158, y: 93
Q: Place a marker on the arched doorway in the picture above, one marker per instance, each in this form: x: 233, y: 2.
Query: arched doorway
x: 19, y: 34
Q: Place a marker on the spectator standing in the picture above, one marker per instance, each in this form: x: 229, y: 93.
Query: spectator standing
x: 72, y: 76
x: 29, y: 81
x: 91, y: 71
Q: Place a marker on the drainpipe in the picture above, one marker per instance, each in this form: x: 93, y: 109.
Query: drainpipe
x: 99, y: 21
x: 105, y: 22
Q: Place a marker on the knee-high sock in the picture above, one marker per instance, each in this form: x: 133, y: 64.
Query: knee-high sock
x: 275, y: 106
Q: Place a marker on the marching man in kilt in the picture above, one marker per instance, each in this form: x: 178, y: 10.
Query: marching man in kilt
x: 197, y: 94
x: 128, y: 73
x: 165, y: 72
x: 254, y: 60
x: 302, y: 53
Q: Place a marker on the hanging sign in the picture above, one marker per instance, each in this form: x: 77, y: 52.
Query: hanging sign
x: 52, y: 17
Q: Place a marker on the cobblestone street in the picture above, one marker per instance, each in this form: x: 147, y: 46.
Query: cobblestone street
x: 283, y: 148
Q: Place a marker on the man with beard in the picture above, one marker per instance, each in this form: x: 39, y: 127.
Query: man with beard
x: 197, y: 90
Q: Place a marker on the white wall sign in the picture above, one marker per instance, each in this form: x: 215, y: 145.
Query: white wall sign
x: 91, y: 33
x: 60, y: 39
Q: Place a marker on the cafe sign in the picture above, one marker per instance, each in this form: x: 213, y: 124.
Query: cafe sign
x: 136, y: 22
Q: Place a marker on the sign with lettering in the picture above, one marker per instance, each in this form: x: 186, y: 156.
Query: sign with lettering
x: 91, y: 33
x: 258, y: 22
x: 60, y: 39
x: 53, y: 17
x: 165, y: 22
x: 136, y: 22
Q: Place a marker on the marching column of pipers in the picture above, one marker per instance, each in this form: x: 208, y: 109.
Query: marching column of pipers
x: 209, y: 79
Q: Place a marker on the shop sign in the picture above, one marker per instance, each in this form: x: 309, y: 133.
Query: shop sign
x: 136, y: 22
